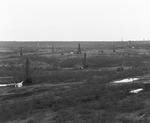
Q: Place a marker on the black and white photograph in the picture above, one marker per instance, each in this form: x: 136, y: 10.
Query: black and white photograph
x: 74, y: 61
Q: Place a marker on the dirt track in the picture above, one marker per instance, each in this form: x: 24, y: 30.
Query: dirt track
x: 11, y: 92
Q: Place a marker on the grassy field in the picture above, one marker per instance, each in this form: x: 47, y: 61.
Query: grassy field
x: 64, y: 93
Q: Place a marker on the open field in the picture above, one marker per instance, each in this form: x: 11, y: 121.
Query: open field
x: 63, y: 91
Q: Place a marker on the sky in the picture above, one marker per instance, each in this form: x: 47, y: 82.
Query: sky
x: 74, y: 20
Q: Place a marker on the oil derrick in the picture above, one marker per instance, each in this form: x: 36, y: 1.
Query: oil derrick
x: 85, y: 66
x: 99, y: 49
x: 79, y: 49
x: 27, y: 79
x: 52, y: 50
x: 114, y: 47
x: 21, y: 52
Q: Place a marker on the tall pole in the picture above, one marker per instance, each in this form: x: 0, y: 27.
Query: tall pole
x: 84, y: 61
x: 79, y: 49
x: 28, y: 80
x: 21, y: 53
x: 114, y: 47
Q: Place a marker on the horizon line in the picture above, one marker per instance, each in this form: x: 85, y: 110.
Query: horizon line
x: 70, y: 40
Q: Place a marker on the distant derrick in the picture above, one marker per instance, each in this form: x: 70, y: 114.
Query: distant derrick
x: 84, y: 62
x: 114, y: 47
x: 79, y: 49
x: 27, y: 79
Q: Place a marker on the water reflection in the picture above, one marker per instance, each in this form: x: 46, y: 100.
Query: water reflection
x: 128, y: 80
x: 136, y: 90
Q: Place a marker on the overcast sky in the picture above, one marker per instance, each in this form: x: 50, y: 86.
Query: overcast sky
x: 74, y: 20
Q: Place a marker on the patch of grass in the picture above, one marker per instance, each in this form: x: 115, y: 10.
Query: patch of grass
x: 87, y: 99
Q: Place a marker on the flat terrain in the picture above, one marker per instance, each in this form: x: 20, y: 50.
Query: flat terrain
x: 63, y: 91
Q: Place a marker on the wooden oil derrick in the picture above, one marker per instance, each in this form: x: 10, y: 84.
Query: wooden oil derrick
x: 79, y: 49
x: 27, y: 79
x: 98, y: 49
x: 52, y: 50
x: 85, y: 66
x: 114, y: 47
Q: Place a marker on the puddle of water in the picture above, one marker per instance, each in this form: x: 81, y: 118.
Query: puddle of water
x: 136, y: 90
x: 4, y: 85
x: 126, y: 80
x: 20, y: 84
